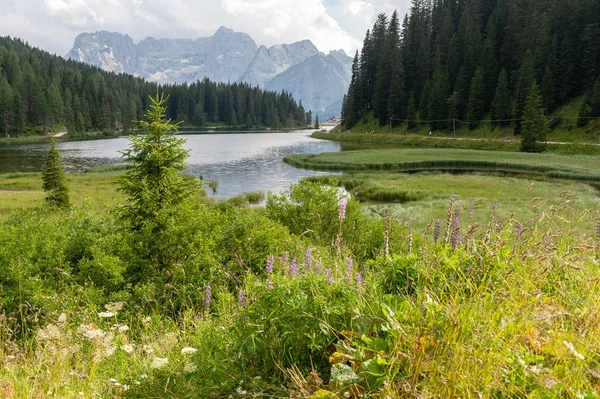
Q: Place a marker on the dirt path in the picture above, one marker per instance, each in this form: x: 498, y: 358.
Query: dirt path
x: 60, y: 134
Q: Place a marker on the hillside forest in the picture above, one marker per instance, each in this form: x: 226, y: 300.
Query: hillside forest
x: 41, y: 92
x: 457, y: 61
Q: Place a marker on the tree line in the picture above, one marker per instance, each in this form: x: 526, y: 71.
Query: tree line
x: 40, y: 92
x: 473, y: 59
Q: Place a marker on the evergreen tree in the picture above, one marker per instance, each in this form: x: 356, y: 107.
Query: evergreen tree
x: 317, y: 126
x: 595, y: 100
x: 526, y: 78
x: 309, y: 118
x: 154, y: 185
x: 424, y: 103
x: 411, y: 112
x: 535, y: 123
x: 6, y: 106
x: 501, y: 104
x: 476, y: 107
x: 53, y: 178
x: 583, y: 116
x: 438, y: 97
x: 397, y: 100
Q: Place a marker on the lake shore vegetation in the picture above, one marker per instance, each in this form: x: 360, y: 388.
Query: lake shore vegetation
x: 306, y: 297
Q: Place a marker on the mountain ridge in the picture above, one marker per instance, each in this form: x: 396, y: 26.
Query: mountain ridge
x: 226, y: 56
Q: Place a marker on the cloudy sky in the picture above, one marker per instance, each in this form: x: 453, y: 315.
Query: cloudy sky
x: 330, y: 24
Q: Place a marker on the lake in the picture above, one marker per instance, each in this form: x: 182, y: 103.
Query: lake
x: 239, y: 162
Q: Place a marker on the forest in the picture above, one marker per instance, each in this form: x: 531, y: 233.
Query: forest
x: 41, y: 92
x: 471, y: 61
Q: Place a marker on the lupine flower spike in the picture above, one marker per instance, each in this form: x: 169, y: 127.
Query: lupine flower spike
x: 242, y: 297
x: 269, y: 265
x: 207, y: 293
x: 293, y: 268
x: 349, y: 270
x: 342, y: 209
x: 308, y: 258
x: 329, y: 276
x: 437, y: 230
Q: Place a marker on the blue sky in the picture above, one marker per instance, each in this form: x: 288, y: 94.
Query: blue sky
x: 330, y: 24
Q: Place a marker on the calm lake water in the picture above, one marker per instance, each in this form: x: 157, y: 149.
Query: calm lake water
x: 239, y: 162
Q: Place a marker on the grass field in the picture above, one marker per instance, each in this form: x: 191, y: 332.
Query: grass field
x: 24, y: 190
x: 578, y: 168
x: 424, y: 196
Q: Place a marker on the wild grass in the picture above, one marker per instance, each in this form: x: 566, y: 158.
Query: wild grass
x: 436, y: 141
x: 504, y: 309
x: 579, y: 168
x: 423, y: 197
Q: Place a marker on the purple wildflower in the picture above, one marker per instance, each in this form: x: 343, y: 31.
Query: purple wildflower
x: 286, y: 257
x: 242, y: 298
x: 519, y: 229
x: 349, y: 270
x: 342, y: 209
x: 318, y: 267
x: 293, y: 268
x: 455, y: 233
x: 437, y: 230
x: 359, y: 279
x: 207, y: 293
x: 269, y: 284
x: 269, y: 265
x: 308, y: 258
x: 452, y: 199
x: 329, y: 276
x: 471, y: 212
x: 598, y: 229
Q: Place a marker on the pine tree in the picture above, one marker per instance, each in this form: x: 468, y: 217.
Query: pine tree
x: 411, y: 112
x: 583, y: 116
x: 424, y: 103
x: 397, y: 100
x: 154, y: 184
x: 317, y: 126
x: 501, y: 104
x: 595, y: 100
x: 535, y: 123
x: 476, y: 107
x: 526, y: 78
x: 437, y: 108
x: 6, y: 106
x: 53, y: 178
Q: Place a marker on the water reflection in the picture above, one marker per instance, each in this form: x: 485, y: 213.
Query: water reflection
x: 239, y: 162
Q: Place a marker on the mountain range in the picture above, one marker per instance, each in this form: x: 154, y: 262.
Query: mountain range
x: 318, y: 80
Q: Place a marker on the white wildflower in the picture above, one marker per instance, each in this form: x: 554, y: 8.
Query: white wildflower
x: 571, y: 349
x: 113, y: 380
x: 188, y: 351
x: 189, y: 368
x: 159, y: 362
x: 117, y: 384
x: 114, y: 306
x: 144, y: 376
x: 49, y: 332
x: 137, y: 383
x: 62, y: 319
x: 126, y: 387
x: 106, y: 315
x: 127, y: 348
x: 147, y: 319
x: 91, y: 332
x: 123, y: 329
x: 148, y: 349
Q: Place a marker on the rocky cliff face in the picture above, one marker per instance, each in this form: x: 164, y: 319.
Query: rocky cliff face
x: 320, y: 82
x: 227, y: 56
x: 268, y: 63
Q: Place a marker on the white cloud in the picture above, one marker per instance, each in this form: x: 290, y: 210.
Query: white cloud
x: 329, y: 24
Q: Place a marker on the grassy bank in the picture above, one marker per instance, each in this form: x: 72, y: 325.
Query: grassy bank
x: 423, y: 197
x: 579, y: 168
x: 425, y: 141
